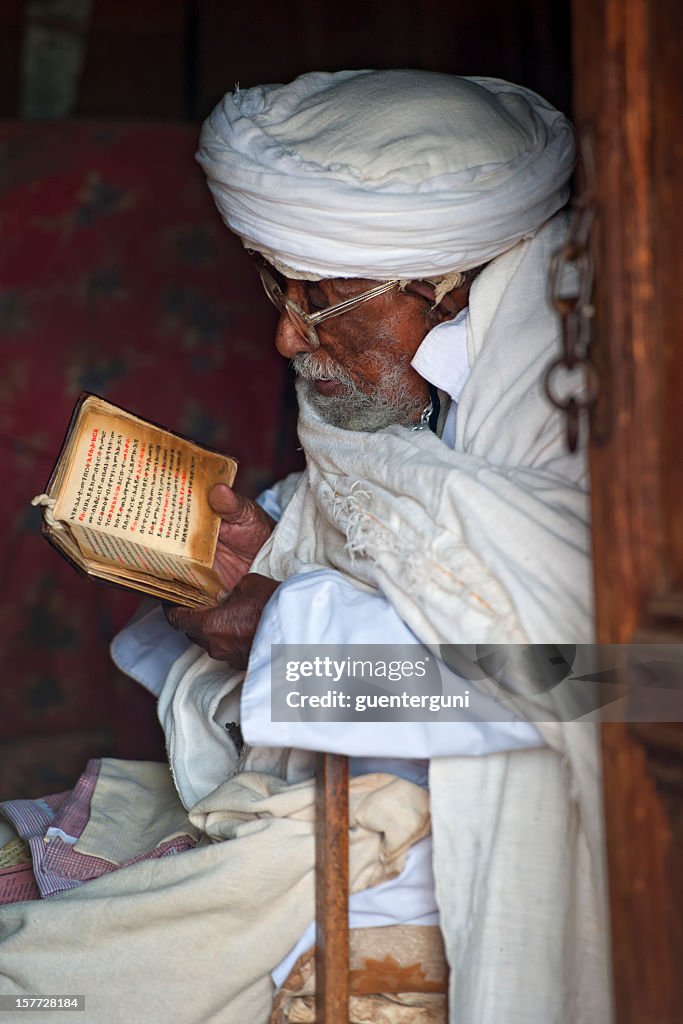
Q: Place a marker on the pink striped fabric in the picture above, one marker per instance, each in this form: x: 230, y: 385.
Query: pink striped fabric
x: 67, y: 862
x: 57, y: 865
x: 73, y: 815
x: 31, y: 819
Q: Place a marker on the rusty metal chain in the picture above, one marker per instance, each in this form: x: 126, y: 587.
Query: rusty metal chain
x: 574, y: 308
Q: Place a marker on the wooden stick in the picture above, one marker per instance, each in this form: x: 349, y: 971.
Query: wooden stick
x: 332, y: 890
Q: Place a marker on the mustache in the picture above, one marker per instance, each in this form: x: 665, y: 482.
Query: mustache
x: 308, y: 366
x: 359, y: 409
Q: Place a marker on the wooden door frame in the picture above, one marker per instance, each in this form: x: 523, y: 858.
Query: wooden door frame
x: 628, y: 101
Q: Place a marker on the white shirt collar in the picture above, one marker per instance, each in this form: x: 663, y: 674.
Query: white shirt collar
x: 442, y: 357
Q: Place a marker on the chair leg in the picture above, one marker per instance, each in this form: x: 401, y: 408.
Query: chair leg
x: 332, y: 890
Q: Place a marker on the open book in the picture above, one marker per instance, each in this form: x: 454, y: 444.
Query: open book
x: 127, y: 502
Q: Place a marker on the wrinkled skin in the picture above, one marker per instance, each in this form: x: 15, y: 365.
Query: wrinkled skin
x: 386, y: 330
x: 227, y: 630
x: 245, y: 528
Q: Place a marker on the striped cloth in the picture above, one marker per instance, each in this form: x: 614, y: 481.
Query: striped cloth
x: 64, y: 860
x: 74, y: 813
x: 52, y: 826
x: 32, y: 819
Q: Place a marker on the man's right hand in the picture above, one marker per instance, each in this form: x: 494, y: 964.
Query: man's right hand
x: 245, y: 528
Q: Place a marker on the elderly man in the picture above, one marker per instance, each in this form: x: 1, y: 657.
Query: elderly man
x: 379, y: 197
x: 402, y: 222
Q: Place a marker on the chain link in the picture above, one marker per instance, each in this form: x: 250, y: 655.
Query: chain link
x: 574, y: 308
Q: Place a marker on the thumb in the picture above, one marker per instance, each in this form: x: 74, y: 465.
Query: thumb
x: 224, y: 501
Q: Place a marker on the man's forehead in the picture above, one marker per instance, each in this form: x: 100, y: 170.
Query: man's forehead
x: 306, y: 277
x: 343, y: 285
x: 347, y: 287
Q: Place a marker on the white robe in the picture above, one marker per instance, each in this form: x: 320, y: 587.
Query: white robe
x: 486, y: 544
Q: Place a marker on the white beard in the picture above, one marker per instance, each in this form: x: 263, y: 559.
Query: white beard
x: 356, y: 410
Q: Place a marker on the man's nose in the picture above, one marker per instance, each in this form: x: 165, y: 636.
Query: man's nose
x: 288, y: 339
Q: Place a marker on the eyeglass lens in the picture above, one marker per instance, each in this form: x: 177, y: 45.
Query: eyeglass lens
x: 277, y: 296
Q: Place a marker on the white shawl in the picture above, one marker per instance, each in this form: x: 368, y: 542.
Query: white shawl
x: 486, y: 543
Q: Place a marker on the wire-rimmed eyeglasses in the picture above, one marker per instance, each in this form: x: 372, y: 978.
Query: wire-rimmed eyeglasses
x: 306, y: 323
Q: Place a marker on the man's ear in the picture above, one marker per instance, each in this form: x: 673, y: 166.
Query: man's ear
x: 450, y: 305
x: 454, y: 300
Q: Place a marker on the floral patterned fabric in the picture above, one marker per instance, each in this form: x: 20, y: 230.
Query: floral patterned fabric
x: 116, y: 276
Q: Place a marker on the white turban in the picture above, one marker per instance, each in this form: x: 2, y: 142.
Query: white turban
x: 385, y: 174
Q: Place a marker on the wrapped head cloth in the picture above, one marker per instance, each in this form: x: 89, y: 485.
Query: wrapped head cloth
x: 385, y: 174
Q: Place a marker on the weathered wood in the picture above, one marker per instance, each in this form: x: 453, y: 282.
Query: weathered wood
x: 332, y: 890
x: 629, y: 94
x: 667, y: 175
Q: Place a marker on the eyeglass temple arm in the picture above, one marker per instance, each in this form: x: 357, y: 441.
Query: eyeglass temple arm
x: 342, y: 307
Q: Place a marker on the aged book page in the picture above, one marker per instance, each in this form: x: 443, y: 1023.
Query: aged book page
x: 131, y: 501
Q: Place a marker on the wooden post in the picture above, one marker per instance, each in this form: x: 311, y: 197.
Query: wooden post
x: 629, y: 94
x: 332, y: 890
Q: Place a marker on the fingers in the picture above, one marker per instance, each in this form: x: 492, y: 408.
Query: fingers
x: 227, y: 630
x: 196, y: 623
x: 186, y: 620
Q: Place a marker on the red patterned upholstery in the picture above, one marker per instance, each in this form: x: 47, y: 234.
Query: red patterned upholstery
x: 116, y: 276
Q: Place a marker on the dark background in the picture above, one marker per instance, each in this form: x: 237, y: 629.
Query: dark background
x: 117, y: 276
x: 173, y: 59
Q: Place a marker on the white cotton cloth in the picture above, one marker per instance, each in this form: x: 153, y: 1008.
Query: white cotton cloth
x: 326, y: 607
x: 200, y: 698
x: 485, y: 544
x: 191, y: 939
x: 385, y: 174
x: 383, y: 904
x: 146, y: 648
x: 441, y: 357
x: 442, y: 360
x: 515, y: 882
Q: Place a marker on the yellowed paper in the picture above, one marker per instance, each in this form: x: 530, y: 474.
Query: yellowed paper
x: 143, y: 485
x: 14, y: 852
x: 133, y: 501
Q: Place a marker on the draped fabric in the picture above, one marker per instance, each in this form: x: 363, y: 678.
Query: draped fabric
x: 486, y: 543
x: 385, y: 174
x: 195, y: 936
